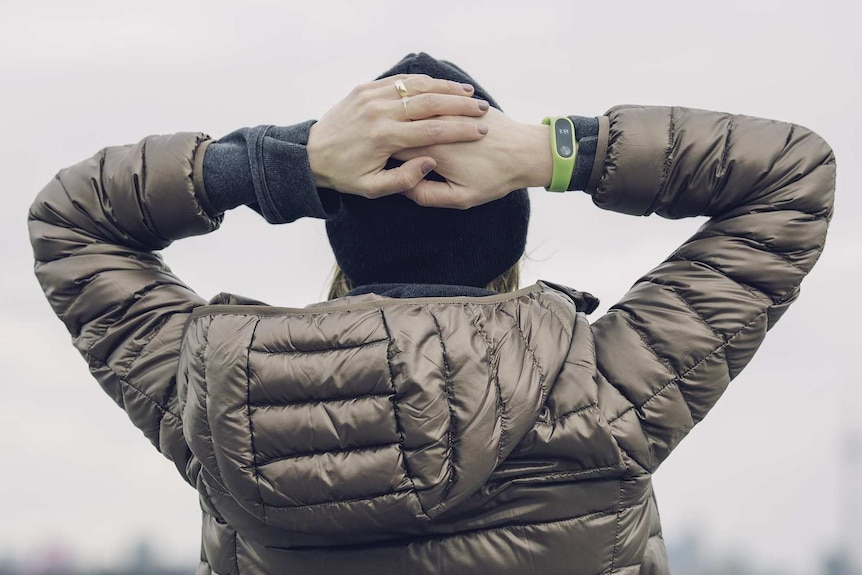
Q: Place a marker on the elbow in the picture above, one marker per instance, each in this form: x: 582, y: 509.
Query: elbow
x: 815, y: 170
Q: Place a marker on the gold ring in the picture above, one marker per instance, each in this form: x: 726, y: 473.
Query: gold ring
x: 404, y: 101
x: 402, y: 89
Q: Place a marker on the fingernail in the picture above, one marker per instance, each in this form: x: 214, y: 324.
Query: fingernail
x: 467, y: 87
x: 483, y: 129
x: 483, y: 105
x: 427, y: 167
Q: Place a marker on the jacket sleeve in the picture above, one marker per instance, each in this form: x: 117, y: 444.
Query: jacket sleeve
x: 94, y: 230
x: 669, y: 348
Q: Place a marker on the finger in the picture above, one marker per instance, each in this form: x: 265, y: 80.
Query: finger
x: 431, y: 132
x: 418, y: 84
x: 429, y: 105
x: 432, y: 194
x: 404, y: 177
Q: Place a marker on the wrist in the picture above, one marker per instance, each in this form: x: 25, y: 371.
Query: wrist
x: 534, y: 163
x: 317, y: 159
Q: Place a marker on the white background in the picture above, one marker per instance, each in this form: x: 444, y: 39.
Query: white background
x: 763, y: 473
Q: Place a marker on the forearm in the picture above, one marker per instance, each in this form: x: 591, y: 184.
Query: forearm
x: 266, y: 168
x: 532, y: 153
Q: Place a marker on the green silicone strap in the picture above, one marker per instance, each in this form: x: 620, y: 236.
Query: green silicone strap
x: 564, y: 151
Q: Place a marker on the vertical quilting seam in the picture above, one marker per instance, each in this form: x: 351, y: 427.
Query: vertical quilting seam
x: 531, y: 353
x: 453, y: 429
x: 617, y: 529
x: 202, y: 358
x: 720, y: 176
x: 494, y: 377
x: 548, y: 308
x: 668, y: 159
x: 255, y: 469
x: 398, y: 427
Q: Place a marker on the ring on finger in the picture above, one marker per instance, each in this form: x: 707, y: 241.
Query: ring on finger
x: 402, y: 89
x: 404, y: 101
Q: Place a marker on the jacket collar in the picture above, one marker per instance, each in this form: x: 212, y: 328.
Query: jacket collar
x: 409, y: 290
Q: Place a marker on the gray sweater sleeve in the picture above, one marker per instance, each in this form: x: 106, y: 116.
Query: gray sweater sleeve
x: 587, y: 133
x: 267, y: 169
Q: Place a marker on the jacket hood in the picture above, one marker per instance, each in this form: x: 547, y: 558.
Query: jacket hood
x: 358, y: 419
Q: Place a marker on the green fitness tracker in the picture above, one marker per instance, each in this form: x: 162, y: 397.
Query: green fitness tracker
x: 564, y: 150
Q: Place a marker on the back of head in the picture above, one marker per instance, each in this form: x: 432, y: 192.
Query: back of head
x: 394, y: 240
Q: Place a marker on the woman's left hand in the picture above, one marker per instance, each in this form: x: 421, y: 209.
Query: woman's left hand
x: 350, y: 145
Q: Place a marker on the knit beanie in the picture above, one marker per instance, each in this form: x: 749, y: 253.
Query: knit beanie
x: 393, y: 239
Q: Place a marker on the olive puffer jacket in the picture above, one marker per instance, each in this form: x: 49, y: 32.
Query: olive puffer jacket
x: 456, y: 435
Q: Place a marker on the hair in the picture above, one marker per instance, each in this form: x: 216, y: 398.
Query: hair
x: 506, y: 282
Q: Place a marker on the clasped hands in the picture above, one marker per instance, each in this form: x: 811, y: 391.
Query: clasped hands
x: 429, y: 124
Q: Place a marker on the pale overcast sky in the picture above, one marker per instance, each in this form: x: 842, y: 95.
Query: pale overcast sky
x: 764, y: 473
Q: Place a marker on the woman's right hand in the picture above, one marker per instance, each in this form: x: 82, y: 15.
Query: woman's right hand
x: 512, y: 156
x: 350, y: 145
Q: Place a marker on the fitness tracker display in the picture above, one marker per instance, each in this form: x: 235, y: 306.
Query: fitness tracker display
x: 564, y: 150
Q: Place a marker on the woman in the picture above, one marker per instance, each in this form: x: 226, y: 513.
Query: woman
x: 428, y: 419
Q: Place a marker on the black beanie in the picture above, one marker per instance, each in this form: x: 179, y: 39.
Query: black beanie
x: 393, y: 239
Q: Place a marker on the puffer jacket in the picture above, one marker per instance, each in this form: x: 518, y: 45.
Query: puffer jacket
x: 451, y: 435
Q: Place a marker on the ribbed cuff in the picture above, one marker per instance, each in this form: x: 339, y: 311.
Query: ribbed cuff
x: 267, y: 169
x: 587, y: 134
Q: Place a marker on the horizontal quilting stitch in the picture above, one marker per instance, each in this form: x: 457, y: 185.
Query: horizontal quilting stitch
x: 329, y: 477
x: 756, y: 291
x: 314, y: 351
x: 763, y: 247
x: 677, y: 379
x: 626, y: 317
x: 338, y: 399
x: 337, y: 502
x: 578, y: 410
x: 347, y: 450
x: 688, y: 304
x: 99, y: 363
x: 469, y: 532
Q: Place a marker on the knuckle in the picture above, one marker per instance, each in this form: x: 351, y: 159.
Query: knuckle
x: 376, y: 134
x: 373, y: 108
x: 361, y: 98
x: 370, y: 192
x: 433, y: 104
x: 433, y: 129
x: 359, y: 89
x: 421, y: 83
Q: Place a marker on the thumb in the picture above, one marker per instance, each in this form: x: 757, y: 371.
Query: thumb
x: 432, y: 194
x: 406, y: 176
